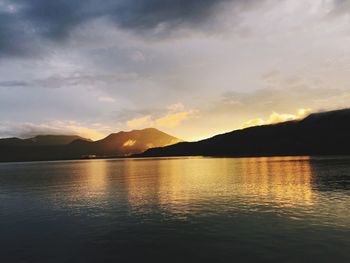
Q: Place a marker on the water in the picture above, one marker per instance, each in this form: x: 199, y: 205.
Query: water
x: 176, y: 210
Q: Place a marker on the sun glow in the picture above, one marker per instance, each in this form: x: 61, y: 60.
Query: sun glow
x: 129, y: 143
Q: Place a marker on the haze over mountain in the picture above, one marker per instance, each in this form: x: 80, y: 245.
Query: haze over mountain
x: 326, y: 133
x: 56, y: 147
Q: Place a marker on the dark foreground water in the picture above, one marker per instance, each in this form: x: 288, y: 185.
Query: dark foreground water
x: 176, y: 210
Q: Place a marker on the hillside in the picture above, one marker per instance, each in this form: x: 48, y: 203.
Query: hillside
x: 326, y: 133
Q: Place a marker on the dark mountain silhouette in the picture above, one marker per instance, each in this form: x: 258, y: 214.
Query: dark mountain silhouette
x: 51, y: 147
x: 326, y: 133
x: 42, y: 140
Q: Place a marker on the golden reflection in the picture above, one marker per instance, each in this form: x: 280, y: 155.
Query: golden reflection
x: 141, y: 182
x: 87, y: 184
x: 173, y: 184
x: 286, y: 181
x: 195, y: 180
x: 96, y: 173
x: 91, y: 182
x: 179, y: 184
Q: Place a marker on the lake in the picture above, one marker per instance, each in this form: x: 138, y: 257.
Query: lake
x: 284, y: 209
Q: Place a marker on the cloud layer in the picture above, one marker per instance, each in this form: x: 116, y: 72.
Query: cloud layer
x: 25, y: 22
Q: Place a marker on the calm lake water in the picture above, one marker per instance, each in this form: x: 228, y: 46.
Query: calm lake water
x: 284, y: 209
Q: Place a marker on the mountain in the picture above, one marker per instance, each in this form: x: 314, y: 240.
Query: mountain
x: 11, y: 142
x: 326, y: 133
x: 42, y: 140
x: 51, y: 147
x: 125, y: 143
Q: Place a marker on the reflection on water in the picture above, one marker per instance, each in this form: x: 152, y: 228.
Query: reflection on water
x: 180, y: 186
x: 176, y: 184
x: 246, y: 203
x: 286, y: 180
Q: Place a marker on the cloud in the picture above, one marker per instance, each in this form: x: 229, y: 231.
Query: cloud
x: 106, y: 99
x: 14, y: 83
x: 172, y: 120
x: 71, y: 80
x: 340, y: 7
x: 27, y: 129
x: 140, y: 122
x: 277, y: 118
x: 176, y: 107
x: 283, y: 98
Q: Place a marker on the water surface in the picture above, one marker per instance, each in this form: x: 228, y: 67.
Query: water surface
x: 176, y: 210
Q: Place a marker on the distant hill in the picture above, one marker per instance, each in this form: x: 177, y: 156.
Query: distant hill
x: 52, y: 147
x: 326, y: 133
x: 42, y: 140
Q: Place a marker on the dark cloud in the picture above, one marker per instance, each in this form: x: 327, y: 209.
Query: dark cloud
x: 141, y: 14
x: 340, y: 7
x: 13, y: 36
x: 23, y: 22
x: 76, y: 79
x: 14, y: 83
x: 56, y: 17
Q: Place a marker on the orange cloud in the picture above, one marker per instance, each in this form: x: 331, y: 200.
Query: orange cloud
x: 173, y: 119
x: 140, y: 122
x: 277, y: 118
x: 76, y: 128
x: 175, y: 116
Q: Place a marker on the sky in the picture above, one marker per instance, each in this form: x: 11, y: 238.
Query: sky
x: 191, y: 68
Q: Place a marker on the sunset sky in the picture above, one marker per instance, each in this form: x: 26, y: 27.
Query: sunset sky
x: 192, y: 68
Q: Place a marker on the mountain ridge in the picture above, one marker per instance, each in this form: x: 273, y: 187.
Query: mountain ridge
x: 75, y: 147
x: 319, y: 133
x: 42, y: 140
